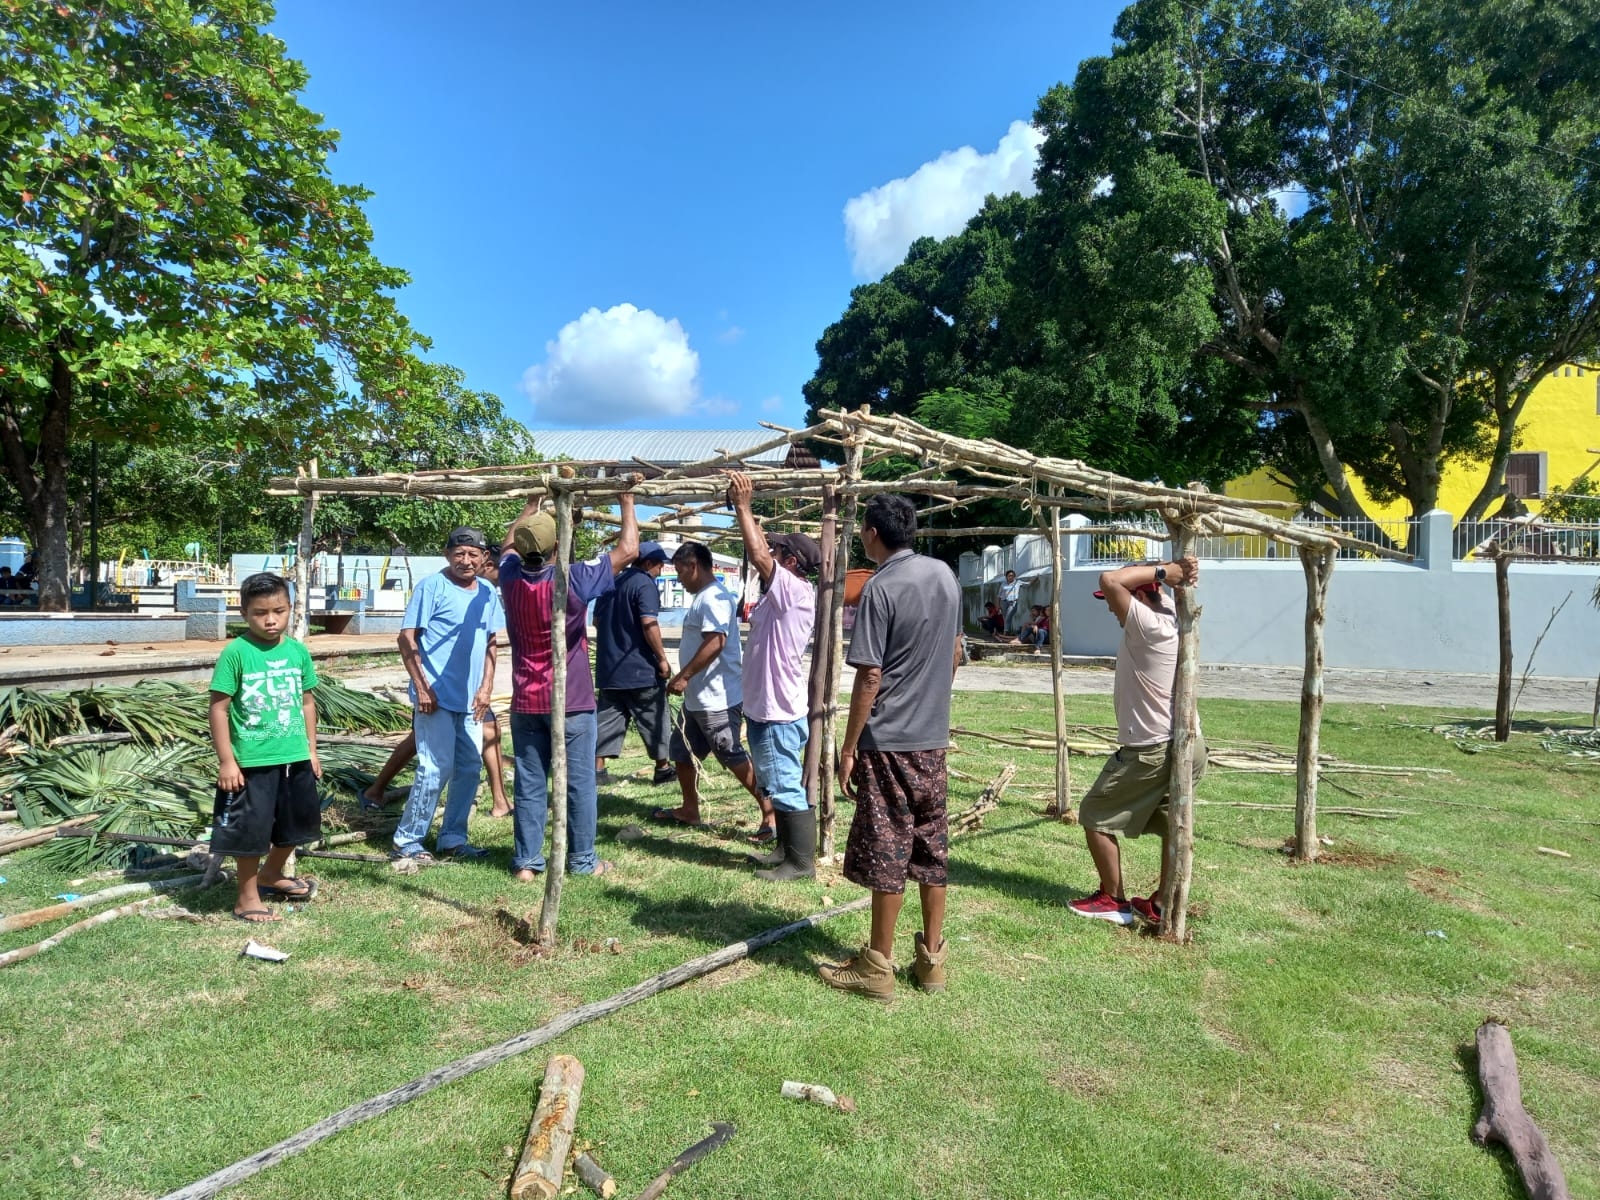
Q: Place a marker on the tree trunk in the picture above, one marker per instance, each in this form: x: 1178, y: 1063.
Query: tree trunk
x: 544, y: 1154
x: 305, y: 549
x: 1508, y: 412
x: 1332, y: 467
x: 556, y: 864
x: 1318, y: 565
x: 39, y: 469
x: 1504, y: 1120
x: 1502, y: 691
x: 1178, y: 850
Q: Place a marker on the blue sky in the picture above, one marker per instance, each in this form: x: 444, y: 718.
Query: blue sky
x: 634, y: 214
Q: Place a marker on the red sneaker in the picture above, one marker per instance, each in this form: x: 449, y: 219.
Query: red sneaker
x: 1103, y: 907
x: 1147, y: 910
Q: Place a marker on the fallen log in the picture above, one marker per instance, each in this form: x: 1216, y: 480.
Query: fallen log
x: 38, y: 916
x: 1505, y: 1121
x: 1376, y: 814
x: 971, y: 818
x: 493, y: 1055
x: 41, y: 835
x: 594, y: 1177
x: 544, y: 1153
x: 55, y: 939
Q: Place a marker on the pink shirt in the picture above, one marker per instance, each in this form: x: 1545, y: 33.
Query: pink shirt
x: 780, y: 630
x: 1146, y: 664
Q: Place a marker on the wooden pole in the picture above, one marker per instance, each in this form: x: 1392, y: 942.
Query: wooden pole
x: 556, y: 864
x: 1504, y: 1120
x: 1502, y: 691
x: 1063, y: 802
x: 1318, y: 566
x: 544, y: 1154
x: 841, y: 565
x: 39, y: 916
x: 491, y: 1056
x: 1178, y: 851
x: 305, y: 547
x: 23, y: 953
x: 818, y: 779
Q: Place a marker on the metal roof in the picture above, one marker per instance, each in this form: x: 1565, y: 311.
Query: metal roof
x: 665, y: 447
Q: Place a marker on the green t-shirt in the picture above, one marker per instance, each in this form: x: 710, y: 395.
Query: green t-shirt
x: 265, y: 721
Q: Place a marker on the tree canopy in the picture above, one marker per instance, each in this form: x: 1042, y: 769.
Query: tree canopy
x: 177, y: 265
x: 1347, y: 239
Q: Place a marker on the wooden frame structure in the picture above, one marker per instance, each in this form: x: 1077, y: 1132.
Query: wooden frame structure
x: 949, y: 473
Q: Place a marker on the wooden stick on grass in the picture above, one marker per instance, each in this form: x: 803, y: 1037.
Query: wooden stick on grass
x: 1504, y: 1120
x: 544, y: 1154
x: 55, y: 939
x: 26, y: 920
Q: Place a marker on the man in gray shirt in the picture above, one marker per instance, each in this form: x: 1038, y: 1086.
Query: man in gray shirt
x: 905, y: 649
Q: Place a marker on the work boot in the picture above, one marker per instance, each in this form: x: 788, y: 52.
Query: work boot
x: 869, y: 974
x: 797, y: 842
x: 928, y: 967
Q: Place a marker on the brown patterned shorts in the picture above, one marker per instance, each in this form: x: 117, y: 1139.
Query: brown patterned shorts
x: 900, y: 828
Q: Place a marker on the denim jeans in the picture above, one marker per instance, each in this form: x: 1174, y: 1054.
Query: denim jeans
x: 449, y: 754
x: 778, y: 749
x: 530, y: 743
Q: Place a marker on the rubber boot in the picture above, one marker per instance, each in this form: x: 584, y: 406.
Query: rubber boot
x: 797, y: 835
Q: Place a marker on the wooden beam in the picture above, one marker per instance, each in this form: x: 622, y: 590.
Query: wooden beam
x: 555, y: 867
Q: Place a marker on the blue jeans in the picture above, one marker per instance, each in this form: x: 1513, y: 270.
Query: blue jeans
x: 778, y: 749
x: 530, y: 744
x: 449, y: 752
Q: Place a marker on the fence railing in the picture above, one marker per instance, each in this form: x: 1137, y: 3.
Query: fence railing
x: 1554, y: 541
x: 1096, y: 548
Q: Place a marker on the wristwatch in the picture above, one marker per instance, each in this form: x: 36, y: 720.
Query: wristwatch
x: 1161, y: 574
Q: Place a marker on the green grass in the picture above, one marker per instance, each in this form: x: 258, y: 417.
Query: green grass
x: 1312, y: 1042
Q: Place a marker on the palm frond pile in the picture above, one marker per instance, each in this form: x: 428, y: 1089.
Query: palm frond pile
x: 140, y: 758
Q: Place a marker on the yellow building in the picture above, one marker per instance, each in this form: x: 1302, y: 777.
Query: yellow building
x: 1558, y: 439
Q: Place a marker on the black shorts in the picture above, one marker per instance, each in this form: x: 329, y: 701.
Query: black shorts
x: 278, y: 806
x: 710, y: 731
x: 646, y: 707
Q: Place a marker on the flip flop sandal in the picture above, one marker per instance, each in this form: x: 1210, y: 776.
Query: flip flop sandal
x: 767, y: 833
x: 256, y: 916
x: 306, y: 891
x: 603, y: 867
x: 667, y: 816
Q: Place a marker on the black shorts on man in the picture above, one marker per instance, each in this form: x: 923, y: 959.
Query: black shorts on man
x: 278, y: 806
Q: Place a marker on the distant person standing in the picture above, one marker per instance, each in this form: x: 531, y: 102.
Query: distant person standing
x: 710, y: 666
x: 447, y: 643
x: 774, y: 684
x: 905, y: 649
x: 527, y: 581
x: 1010, y: 602
x: 1130, y: 796
x: 631, y: 667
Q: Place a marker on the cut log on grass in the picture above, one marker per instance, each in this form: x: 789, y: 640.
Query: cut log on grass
x: 27, y: 920
x: 544, y: 1153
x: 1505, y: 1121
x: 55, y: 939
x: 971, y: 818
x: 41, y: 835
x: 493, y: 1055
x: 594, y: 1177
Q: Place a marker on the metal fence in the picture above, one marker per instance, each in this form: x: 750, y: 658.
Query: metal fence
x: 1098, y: 548
x: 1553, y: 541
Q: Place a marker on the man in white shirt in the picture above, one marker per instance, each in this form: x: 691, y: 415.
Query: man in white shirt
x: 711, y: 661
x: 1130, y: 796
x: 1010, y: 601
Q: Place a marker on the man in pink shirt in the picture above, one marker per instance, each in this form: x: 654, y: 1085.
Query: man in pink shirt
x: 774, y: 682
x: 1130, y: 796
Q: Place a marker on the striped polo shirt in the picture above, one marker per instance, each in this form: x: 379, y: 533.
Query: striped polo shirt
x: 529, y: 598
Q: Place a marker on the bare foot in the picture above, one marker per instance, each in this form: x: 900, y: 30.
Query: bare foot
x: 526, y: 876
x: 500, y: 812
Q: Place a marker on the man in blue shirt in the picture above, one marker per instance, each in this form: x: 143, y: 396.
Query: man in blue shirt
x: 631, y: 666
x: 447, y: 643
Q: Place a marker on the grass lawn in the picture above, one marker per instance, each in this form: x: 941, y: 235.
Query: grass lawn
x: 1312, y: 1042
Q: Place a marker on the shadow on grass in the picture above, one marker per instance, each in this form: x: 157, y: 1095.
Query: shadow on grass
x: 720, y: 923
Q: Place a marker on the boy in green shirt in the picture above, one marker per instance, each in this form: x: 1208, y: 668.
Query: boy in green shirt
x: 264, y: 727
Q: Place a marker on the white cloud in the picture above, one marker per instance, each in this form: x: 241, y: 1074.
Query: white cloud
x: 937, y: 199
x: 772, y: 404
x: 731, y: 335
x: 608, y: 368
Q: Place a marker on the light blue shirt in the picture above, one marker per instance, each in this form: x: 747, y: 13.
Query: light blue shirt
x: 453, y: 625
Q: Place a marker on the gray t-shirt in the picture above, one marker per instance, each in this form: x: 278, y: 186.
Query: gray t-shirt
x: 906, y: 624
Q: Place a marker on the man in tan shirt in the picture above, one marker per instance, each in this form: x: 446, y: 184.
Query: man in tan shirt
x: 1130, y: 796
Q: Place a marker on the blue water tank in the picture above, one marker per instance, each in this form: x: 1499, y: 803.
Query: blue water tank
x: 13, y: 553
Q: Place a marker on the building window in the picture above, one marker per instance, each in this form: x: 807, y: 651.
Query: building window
x: 1525, y: 474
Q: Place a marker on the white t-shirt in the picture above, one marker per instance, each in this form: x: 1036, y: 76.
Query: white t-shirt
x: 714, y: 609
x: 1142, y: 690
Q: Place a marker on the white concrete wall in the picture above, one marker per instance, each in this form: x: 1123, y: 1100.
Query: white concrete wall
x: 1429, y: 616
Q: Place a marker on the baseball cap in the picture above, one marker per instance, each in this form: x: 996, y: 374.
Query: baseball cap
x: 465, y: 535
x: 534, y: 537
x: 1152, y: 586
x: 652, y: 552
x: 803, y: 546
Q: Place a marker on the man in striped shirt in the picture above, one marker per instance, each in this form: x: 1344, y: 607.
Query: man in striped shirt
x: 527, y: 585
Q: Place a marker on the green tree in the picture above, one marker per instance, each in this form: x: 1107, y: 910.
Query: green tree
x: 175, y: 258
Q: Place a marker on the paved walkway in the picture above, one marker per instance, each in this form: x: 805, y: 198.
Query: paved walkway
x: 77, y: 666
